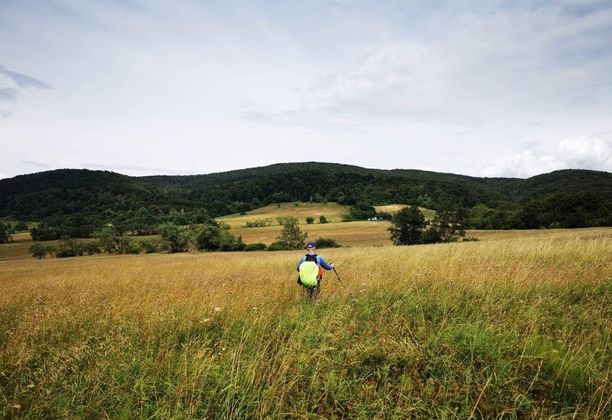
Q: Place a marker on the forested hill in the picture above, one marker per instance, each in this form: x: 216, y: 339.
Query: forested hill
x: 85, y: 199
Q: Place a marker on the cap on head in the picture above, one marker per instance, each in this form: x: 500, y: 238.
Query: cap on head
x: 311, y: 245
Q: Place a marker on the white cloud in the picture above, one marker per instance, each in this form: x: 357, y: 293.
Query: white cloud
x: 583, y: 152
x: 587, y: 152
x: 468, y: 67
x: 524, y: 165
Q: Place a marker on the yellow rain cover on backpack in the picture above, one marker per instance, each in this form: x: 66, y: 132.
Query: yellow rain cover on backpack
x: 308, y: 273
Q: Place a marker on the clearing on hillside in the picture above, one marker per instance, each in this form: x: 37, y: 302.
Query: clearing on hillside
x: 332, y: 211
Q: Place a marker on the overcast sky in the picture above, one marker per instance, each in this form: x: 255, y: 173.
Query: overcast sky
x: 485, y: 88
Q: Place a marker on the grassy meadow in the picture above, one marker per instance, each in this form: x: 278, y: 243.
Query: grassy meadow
x: 516, y: 325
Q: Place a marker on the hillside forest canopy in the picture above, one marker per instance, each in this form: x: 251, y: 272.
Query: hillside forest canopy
x: 78, y: 203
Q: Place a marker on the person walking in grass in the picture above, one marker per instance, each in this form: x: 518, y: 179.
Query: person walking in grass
x: 311, y: 268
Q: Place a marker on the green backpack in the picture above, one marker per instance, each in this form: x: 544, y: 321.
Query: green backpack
x: 309, y: 271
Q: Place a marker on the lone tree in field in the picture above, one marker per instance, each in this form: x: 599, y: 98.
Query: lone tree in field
x: 38, y: 250
x: 447, y: 225
x: 407, y: 226
x: 291, y: 234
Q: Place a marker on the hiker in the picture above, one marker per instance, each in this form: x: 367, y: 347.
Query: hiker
x: 311, y: 268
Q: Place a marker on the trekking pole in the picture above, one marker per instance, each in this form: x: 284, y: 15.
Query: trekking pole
x: 334, y: 268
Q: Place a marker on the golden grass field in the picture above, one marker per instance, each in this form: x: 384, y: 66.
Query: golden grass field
x: 515, y: 325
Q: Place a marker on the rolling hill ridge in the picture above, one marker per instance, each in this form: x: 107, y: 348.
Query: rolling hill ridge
x: 91, y: 198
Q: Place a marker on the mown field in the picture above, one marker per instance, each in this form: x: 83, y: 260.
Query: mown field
x: 394, y: 208
x: 514, y: 326
x: 359, y: 233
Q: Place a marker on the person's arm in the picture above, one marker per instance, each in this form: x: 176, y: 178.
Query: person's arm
x: 300, y: 263
x: 323, y: 264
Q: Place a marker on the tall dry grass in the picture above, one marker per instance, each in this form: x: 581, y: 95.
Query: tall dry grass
x: 509, y: 327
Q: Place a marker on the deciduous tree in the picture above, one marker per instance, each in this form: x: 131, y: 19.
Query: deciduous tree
x: 291, y: 234
x: 407, y: 226
x: 38, y: 250
x: 5, y: 233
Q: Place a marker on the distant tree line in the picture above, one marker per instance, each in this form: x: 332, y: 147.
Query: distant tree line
x: 143, y: 221
x: 210, y: 236
x: 172, y: 238
x: 562, y: 210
